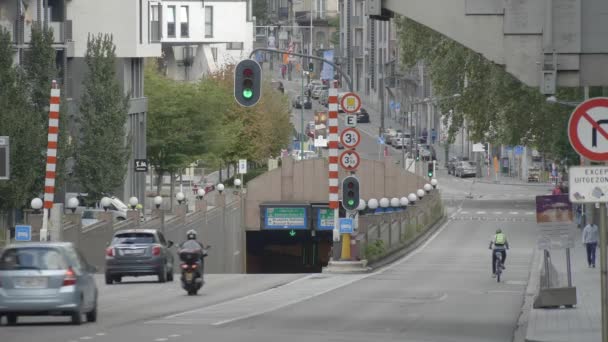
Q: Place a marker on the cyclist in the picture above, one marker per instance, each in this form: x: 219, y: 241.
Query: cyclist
x: 500, y: 243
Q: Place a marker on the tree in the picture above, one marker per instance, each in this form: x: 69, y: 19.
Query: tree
x: 102, y: 151
x: 260, y: 11
x: 26, y: 130
x: 40, y: 68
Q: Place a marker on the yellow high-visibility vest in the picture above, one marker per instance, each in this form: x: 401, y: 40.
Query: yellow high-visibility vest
x: 500, y: 239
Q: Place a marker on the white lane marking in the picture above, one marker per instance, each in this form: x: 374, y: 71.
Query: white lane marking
x: 380, y: 271
x: 513, y: 213
x: 464, y: 212
x: 161, y: 339
x: 100, y: 334
x: 174, y: 336
x: 86, y: 338
x: 530, y: 213
x: 481, y: 213
x: 497, y: 213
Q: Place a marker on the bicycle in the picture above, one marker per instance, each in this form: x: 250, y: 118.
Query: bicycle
x: 498, y: 266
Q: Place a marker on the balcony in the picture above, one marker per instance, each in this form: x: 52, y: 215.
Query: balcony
x: 356, y: 22
x: 62, y: 31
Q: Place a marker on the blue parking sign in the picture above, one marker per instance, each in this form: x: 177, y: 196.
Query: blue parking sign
x: 23, y: 233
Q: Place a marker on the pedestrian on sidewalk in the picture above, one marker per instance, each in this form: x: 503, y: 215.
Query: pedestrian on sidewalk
x: 557, y: 190
x: 590, y: 240
x: 433, y: 136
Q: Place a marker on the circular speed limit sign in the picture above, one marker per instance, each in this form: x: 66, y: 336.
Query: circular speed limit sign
x: 350, y: 137
x: 349, y: 160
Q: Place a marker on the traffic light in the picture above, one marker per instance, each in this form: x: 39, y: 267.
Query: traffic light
x: 431, y: 169
x: 247, y: 82
x: 311, y: 66
x: 350, y: 193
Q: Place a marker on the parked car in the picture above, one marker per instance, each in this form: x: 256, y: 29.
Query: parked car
x: 297, y: 102
x: 139, y: 252
x: 362, y: 116
x: 91, y: 216
x: 209, y: 187
x: 43, y: 279
x: 317, y: 90
x: 466, y: 168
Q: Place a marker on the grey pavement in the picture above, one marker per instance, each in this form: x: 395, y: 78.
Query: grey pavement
x: 440, y: 292
x: 581, y: 323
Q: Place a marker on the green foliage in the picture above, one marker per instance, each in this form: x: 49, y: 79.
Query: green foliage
x: 102, y: 152
x: 374, y: 249
x: 334, y: 22
x: 39, y: 66
x: 496, y: 106
x: 260, y: 12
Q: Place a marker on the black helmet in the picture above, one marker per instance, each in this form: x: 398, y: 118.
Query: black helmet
x: 191, y: 234
x: 498, y: 231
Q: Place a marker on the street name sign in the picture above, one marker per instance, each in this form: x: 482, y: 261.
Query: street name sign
x: 23, y: 233
x: 242, y: 166
x: 349, y: 160
x: 588, y: 129
x: 351, y: 120
x: 350, y: 103
x: 350, y: 137
x: 588, y: 184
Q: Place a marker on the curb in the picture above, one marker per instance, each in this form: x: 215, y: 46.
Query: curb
x: 540, y: 185
x: 407, y: 249
x: 521, y: 331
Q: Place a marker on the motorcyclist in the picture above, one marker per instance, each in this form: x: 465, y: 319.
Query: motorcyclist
x: 500, y: 243
x: 192, y: 243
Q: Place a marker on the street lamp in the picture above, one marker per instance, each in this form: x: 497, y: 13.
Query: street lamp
x: 372, y: 203
x: 404, y: 201
x: 200, y: 193
x: 158, y: 201
x: 237, y: 182
x: 220, y: 188
x: 384, y: 202
x: 106, y: 202
x: 434, y: 183
x: 427, y: 187
x: 395, y: 203
x: 36, y: 204
x: 420, y: 193
x: 72, y: 204
x: 412, y: 198
x: 362, y: 205
x: 180, y: 197
x: 133, y: 202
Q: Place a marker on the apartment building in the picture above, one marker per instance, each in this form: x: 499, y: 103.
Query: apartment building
x: 133, y: 30
x: 200, y: 37
x: 369, y: 52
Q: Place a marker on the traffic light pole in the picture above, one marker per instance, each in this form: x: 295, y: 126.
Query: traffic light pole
x: 344, y: 76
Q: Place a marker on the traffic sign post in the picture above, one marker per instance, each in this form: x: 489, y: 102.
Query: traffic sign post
x: 23, y: 233
x: 588, y: 135
x: 350, y: 137
x: 350, y: 103
x: 351, y: 120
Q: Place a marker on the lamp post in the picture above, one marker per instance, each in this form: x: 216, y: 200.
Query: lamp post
x: 372, y: 204
x: 384, y: 203
x: 434, y: 183
x: 36, y: 204
x: 158, y: 200
x: 412, y: 198
x: 420, y: 194
x: 133, y: 202
x: 106, y: 202
x: 200, y: 193
x: 72, y: 204
x: 180, y: 197
x: 428, y: 187
x: 220, y: 188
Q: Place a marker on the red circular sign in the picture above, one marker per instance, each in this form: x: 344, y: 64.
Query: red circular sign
x: 350, y: 160
x: 588, y: 129
x: 350, y: 137
x: 350, y: 103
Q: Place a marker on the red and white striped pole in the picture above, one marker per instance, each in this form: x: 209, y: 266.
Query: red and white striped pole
x: 334, y: 201
x: 51, y: 158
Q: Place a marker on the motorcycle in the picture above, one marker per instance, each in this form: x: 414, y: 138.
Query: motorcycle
x: 192, y: 267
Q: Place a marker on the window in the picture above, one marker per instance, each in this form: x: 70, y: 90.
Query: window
x: 184, y: 33
x: 136, y: 78
x: 209, y: 22
x: 171, y: 22
x: 234, y: 46
x: 155, y: 28
x: 214, y: 53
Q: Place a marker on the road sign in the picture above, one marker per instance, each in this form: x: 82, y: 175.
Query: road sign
x: 285, y: 218
x: 479, y: 147
x: 350, y: 137
x: 346, y: 226
x: 349, y: 160
x: 141, y: 165
x: 588, y: 184
x: 351, y: 120
x: 23, y: 233
x: 351, y: 103
x: 587, y: 129
x: 518, y: 150
x: 242, y: 166
x: 381, y: 141
x: 4, y: 158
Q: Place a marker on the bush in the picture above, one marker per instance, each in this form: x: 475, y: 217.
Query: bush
x: 375, y: 249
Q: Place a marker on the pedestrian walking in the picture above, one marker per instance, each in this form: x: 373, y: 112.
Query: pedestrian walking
x: 590, y: 240
x: 433, y: 136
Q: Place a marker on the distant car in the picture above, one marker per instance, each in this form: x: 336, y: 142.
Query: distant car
x: 91, y: 216
x: 465, y: 168
x: 139, y: 252
x: 209, y: 187
x: 297, y: 102
x: 324, y: 97
x: 43, y: 279
x: 452, y: 162
x: 362, y: 116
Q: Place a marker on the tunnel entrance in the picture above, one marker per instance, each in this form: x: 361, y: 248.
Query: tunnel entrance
x: 288, y: 251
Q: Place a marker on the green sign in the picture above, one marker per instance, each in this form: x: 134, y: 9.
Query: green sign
x: 285, y: 218
x: 325, y: 219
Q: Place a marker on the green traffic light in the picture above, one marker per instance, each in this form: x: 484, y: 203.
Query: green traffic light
x: 351, y: 202
x: 430, y: 174
x: 247, y: 93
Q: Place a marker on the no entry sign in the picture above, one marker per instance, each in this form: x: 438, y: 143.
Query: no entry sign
x: 588, y: 129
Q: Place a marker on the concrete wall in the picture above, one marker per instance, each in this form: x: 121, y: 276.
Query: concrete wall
x: 306, y: 181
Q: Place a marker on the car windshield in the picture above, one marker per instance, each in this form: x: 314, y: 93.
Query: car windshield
x: 33, y: 258
x: 88, y: 214
x: 133, y: 238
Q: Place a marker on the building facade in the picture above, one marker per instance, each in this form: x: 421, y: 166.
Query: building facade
x: 201, y: 37
x: 72, y: 22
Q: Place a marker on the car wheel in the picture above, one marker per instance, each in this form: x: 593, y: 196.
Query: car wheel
x: 109, y: 279
x: 77, y: 316
x: 162, y: 276
x: 118, y: 279
x: 170, y: 275
x: 92, y: 315
x: 11, y: 319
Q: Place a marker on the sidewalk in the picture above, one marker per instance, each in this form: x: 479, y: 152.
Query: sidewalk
x: 582, y: 323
